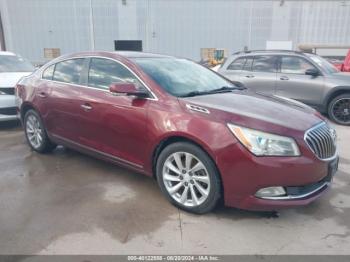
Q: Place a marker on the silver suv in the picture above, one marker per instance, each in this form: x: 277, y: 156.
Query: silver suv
x: 305, y: 77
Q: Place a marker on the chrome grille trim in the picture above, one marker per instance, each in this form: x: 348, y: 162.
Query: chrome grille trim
x: 321, y: 141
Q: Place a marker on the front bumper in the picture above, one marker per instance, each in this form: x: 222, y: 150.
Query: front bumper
x: 296, y: 196
x: 8, y: 110
x: 4, y: 118
x: 304, y: 178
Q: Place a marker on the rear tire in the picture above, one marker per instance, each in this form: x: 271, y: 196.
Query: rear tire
x: 36, y: 134
x: 339, y: 109
x: 188, y: 178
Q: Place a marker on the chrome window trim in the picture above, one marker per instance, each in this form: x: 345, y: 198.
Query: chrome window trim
x: 71, y: 84
x: 154, y: 97
x: 313, y: 128
x: 296, y: 197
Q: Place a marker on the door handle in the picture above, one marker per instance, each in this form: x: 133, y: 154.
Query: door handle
x: 86, y: 107
x: 42, y: 95
x: 284, y: 78
x: 249, y: 76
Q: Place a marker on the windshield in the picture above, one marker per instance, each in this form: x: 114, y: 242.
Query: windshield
x: 324, y: 64
x: 12, y: 63
x: 181, y: 77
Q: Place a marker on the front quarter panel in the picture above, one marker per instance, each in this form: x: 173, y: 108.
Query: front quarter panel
x: 242, y: 173
x: 173, y: 120
x: 333, y: 89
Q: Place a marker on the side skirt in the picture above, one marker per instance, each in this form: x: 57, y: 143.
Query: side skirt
x: 98, y: 154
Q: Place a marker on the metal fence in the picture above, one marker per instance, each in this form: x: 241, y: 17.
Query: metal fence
x: 176, y: 27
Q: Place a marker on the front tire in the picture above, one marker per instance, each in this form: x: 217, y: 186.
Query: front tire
x: 36, y: 134
x: 188, y: 177
x: 339, y: 109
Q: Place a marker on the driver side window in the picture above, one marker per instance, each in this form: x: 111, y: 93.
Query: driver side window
x: 294, y: 65
x: 104, y: 72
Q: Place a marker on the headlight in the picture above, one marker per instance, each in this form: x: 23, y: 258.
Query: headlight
x: 2, y: 93
x: 265, y: 144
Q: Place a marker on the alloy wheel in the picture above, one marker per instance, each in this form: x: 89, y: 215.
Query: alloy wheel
x: 341, y: 110
x: 186, y: 179
x: 34, y: 131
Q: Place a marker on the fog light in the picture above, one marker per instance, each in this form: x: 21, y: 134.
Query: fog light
x: 270, y: 192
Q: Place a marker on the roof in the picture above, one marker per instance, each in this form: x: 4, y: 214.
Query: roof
x: 7, y: 53
x: 269, y: 51
x: 120, y: 54
x: 133, y: 54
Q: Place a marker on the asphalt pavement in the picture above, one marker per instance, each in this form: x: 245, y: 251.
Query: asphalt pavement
x: 69, y: 203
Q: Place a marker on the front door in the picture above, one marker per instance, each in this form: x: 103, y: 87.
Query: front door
x: 292, y: 82
x: 112, y: 124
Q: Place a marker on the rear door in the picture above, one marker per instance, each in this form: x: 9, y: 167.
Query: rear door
x: 259, y: 73
x: 292, y: 82
x: 60, y: 97
x: 113, y: 124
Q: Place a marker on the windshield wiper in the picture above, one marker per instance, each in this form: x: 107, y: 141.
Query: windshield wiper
x: 193, y: 93
x: 226, y: 89
x: 223, y: 89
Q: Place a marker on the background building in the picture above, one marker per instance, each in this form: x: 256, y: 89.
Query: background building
x: 176, y: 27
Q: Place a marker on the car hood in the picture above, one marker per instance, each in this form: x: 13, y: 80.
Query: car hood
x: 342, y: 76
x: 10, y: 79
x: 255, y: 110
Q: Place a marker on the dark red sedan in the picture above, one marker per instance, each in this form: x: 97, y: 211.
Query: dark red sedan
x: 201, y: 136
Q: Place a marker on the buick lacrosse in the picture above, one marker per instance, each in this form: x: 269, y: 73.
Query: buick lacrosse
x: 201, y: 136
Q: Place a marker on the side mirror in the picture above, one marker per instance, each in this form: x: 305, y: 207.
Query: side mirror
x: 128, y: 89
x: 312, y: 72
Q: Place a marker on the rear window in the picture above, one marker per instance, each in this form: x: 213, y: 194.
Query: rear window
x: 264, y: 64
x: 248, y: 63
x: 12, y: 63
x: 69, y: 71
x: 237, y: 64
x: 48, y: 73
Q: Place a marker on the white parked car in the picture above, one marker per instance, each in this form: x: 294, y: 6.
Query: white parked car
x: 12, y: 69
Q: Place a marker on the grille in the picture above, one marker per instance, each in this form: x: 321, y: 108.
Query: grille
x: 8, y: 90
x: 321, y: 139
x: 8, y: 111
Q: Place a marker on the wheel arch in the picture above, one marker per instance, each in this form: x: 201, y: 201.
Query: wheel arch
x: 339, y: 90
x: 174, y: 138
x: 25, y: 107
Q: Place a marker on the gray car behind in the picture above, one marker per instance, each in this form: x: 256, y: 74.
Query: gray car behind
x: 305, y: 77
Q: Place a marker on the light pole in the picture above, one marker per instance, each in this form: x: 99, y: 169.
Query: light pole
x: 92, y: 29
x: 250, y: 26
x: 2, y: 36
